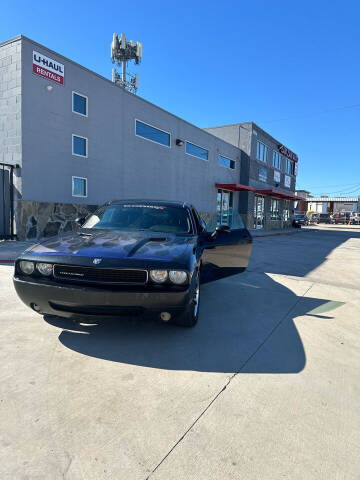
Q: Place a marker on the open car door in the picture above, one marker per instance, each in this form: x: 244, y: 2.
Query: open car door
x: 225, y: 249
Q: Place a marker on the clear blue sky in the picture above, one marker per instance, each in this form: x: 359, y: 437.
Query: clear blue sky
x: 281, y: 64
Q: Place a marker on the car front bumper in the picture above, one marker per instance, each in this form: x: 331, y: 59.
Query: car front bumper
x: 72, y: 301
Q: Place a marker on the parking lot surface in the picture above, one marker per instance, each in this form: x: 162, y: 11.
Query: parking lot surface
x: 267, y: 386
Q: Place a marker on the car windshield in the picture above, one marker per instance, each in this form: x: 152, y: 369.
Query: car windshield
x: 299, y: 217
x: 128, y: 216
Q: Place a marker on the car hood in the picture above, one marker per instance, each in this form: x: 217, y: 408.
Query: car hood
x: 115, y: 244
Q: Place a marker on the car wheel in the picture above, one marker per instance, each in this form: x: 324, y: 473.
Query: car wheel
x: 191, y: 316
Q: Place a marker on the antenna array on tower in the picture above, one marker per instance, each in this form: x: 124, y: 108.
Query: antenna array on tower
x: 122, y: 52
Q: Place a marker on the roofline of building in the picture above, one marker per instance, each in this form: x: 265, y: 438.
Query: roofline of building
x: 120, y: 201
x: 332, y: 199
x: 11, y: 40
x: 24, y: 37
x: 252, y: 125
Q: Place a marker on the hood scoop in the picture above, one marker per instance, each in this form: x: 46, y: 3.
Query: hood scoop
x: 157, y: 239
x: 143, y: 242
x: 83, y: 234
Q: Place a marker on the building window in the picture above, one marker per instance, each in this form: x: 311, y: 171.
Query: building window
x: 151, y: 133
x: 276, y: 160
x: 196, y: 151
x: 263, y: 174
x: 286, y: 210
x: 274, y: 209
x: 79, y: 187
x: 79, y: 146
x: 287, y: 181
x: 224, y: 207
x: 80, y: 104
x: 289, y: 166
x: 277, y: 176
x: 226, y: 162
x: 261, y: 152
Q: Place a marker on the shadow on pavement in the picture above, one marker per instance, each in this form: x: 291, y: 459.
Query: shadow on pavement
x: 237, y: 319
x: 297, y: 255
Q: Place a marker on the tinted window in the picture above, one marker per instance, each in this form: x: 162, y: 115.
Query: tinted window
x: 79, y: 187
x: 289, y: 166
x: 79, y: 104
x: 152, y: 133
x: 263, y: 174
x: 196, y: 151
x: 226, y: 162
x: 233, y: 220
x: 79, y: 146
x: 156, y: 218
x: 261, y: 152
x: 276, y: 160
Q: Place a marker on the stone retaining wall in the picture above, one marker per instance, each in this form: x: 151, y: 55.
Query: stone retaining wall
x: 36, y: 220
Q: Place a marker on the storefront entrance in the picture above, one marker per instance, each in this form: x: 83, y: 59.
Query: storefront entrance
x: 224, y: 207
x: 259, y: 207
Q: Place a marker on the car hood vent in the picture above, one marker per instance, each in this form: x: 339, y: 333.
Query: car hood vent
x: 157, y: 239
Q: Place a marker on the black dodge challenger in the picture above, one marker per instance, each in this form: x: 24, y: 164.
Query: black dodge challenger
x: 132, y: 257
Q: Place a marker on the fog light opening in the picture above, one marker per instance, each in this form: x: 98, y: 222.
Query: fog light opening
x: 35, y: 307
x: 165, y: 316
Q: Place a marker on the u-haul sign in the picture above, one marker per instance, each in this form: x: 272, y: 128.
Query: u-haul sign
x: 48, y: 68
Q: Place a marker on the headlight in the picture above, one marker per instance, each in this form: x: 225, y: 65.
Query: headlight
x: 26, y: 267
x: 178, y: 276
x: 45, y: 268
x: 158, y: 276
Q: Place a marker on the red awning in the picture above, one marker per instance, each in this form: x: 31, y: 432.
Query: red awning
x: 278, y: 194
x: 235, y: 187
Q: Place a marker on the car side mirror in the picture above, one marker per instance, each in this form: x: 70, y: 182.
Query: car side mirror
x: 80, y: 221
x: 220, y: 229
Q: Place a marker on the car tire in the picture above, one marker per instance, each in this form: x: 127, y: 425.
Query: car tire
x: 191, y: 316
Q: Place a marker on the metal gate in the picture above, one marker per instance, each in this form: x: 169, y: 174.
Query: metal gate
x: 6, y: 201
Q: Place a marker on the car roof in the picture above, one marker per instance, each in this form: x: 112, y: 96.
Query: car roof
x: 143, y: 201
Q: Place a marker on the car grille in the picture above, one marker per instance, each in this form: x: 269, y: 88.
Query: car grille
x: 76, y: 273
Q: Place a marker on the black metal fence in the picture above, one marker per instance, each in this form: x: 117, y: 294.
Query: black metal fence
x: 6, y: 201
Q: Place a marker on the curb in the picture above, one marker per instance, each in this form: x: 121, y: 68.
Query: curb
x: 278, y: 233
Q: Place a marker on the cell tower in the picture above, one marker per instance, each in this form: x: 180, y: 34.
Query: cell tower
x: 121, y: 53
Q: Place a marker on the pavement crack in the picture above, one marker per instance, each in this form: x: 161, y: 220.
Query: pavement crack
x: 66, y: 470
x: 229, y: 380
x: 192, y: 425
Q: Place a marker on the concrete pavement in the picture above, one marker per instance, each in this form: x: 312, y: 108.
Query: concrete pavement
x: 265, y: 387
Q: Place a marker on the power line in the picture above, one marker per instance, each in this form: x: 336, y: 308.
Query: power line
x: 351, y: 189
x: 331, y: 186
x: 340, y: 193
x: 307, y: 115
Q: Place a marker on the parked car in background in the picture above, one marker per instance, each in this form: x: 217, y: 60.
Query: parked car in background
x: 299, y: 220
x: 132, y: 257
x: 342, y: 218
x: 324, y: 218
x: 338, y: 218
x: 355, y: 218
